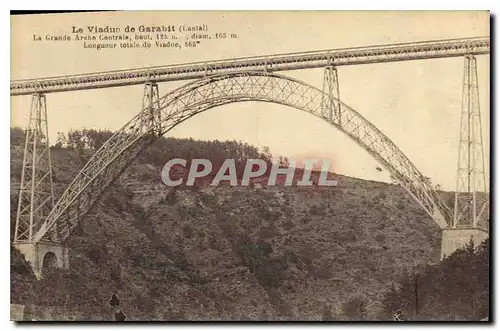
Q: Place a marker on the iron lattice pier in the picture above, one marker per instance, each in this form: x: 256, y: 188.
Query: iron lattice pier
x: 471, y: 195
x: 36, y: 193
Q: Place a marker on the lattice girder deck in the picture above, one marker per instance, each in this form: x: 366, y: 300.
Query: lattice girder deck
x: 432, y: 49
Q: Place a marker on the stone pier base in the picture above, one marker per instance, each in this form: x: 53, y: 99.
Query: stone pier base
x: 44, y: 255
x: 453, y: 239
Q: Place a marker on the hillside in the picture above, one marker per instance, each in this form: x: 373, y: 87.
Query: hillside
x: 229, y: 252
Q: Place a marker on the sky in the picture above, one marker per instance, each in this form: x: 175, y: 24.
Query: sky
x: 415, y: 103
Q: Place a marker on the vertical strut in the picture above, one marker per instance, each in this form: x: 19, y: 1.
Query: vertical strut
x: 36, y: 194
x: 471, y: 196
x: 329, y: 104
x: 151, y: 116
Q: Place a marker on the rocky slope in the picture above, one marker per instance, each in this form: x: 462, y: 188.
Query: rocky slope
x: 230, y: 252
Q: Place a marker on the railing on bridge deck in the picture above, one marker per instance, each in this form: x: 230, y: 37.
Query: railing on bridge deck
x: 271, y: 63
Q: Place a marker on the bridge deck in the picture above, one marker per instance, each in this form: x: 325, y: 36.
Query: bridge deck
x: 279, y: 62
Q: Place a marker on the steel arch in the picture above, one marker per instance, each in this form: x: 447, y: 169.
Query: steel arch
x: 190, y: 99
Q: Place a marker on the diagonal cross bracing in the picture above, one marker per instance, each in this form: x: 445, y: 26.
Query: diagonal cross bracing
x: 36, y: 196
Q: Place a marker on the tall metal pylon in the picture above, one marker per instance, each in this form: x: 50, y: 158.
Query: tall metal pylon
x: 331, y: 88
x: 151, y: 118
x: 36, y: 194
x: 471, y: 195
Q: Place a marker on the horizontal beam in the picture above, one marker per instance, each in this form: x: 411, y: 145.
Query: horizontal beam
x: 270, y: 63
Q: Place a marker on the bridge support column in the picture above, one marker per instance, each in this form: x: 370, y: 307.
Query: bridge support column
x: 44, y: 255
x: 455, y: 238
x: 471, y: 195
x: 36, y: 195
x: 151, y: 117
x: 330, y: 105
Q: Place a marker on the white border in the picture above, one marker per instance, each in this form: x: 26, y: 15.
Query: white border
x: 199, y: 5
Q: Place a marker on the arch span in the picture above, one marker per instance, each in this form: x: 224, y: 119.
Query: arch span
x: 198, y: 96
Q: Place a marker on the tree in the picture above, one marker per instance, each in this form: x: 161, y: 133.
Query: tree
x: 456, y: 288
x: 114, y: 301
x: 61, y: 140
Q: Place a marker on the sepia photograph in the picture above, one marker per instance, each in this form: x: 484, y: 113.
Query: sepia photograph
x: 305, y: 166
